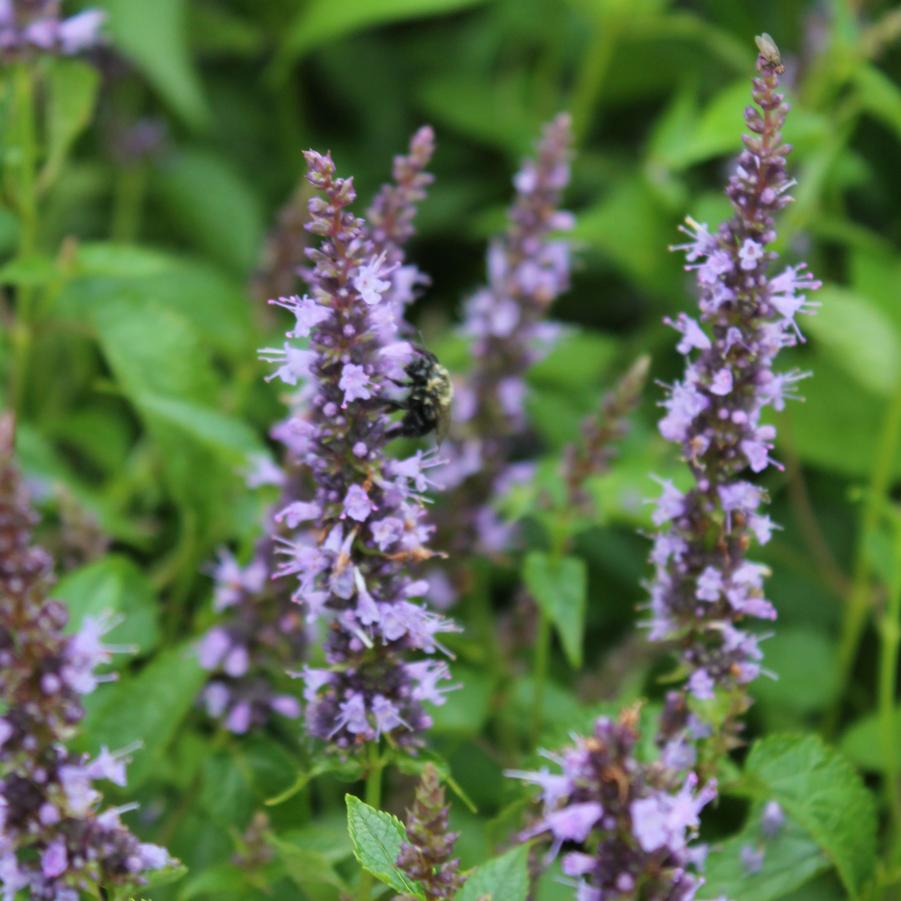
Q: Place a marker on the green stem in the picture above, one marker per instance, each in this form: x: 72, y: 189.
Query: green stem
x: 859, y: 601
x: 560, y: 541
x: 539, y: 674
x: 128, y: 202
x: 595, y: 63
x: 24, y: 143
x: 373, y: 799
x: 890, y: 640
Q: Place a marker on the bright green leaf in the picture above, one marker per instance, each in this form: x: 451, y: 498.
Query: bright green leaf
x: 793, y: 654
x: 71, y: 92
x: 377, y: 838
x: 790, y: 859
x: 505, y: 878
x: 820, y: 790
x: 859, y: 338
x: 560, y: 588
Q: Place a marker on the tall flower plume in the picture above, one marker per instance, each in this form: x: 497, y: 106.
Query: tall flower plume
x: 55, y: 841
x: 705, y: 587
x: 263, y: 632
x: 624, y: 826
x: 356, y: 542
x: 505, y: 322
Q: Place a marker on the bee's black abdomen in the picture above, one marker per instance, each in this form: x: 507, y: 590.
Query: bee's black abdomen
x: 427, y: 404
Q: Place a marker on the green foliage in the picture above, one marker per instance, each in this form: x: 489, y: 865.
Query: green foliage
x: 559, y: 586
x: 113, y: 587
x: 148, y: 707
x: 505, y: 877
x: 820, y: 791
x: 377, y: 838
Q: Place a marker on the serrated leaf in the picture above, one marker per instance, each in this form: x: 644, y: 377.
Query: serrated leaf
x: 859, y: 338
x: 377, y: 838
x: 790, y: 859
x: 155, y: 37
x: 820, y: 790
x: 560, y: 588
x: 113, y: 586
x: 148, y: 707
x: 71, y: 92
x: 504, y: 878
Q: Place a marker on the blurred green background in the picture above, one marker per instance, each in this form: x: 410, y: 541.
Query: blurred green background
x: 143, y: 372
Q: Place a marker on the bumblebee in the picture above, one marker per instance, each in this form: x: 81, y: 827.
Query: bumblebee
x: 427, y: 405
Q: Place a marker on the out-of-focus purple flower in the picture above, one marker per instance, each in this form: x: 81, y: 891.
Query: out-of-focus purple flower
x: 55, y: 842
x: 619, y: 822
x: 705, y: 589
x: 30, y: 27
x: 528, y: 268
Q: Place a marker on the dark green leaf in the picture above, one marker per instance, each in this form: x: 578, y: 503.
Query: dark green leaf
x: 148, y: 707
x: 213, y: 207
x: 155, y: 37
x: 560, y: 588
x: 116, y: 587
x: 323, y: 20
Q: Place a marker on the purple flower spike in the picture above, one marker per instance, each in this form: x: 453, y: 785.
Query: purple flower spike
x: 55, y: 841
x: 505, y: 322
x: 704, y: 588
x: 263, y: 631
x: 621, y: 823
x: 355, y: 546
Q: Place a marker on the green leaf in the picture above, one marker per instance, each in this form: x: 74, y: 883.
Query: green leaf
x: 310, y: 870
x: 792, y: 654
x: 114, y: 586
x: 790, y: 859
x: 862, y: 743
x: 820, y: 790
x: 504, y: 878
x: 838, y: 426
x: 465, y: 711
x: 323, y: 21
x: 377, y: 838
x: 858, y: 337
x: 155, y: 37
x: 148, y: 707
x: 878, y: 95
x: 208, y: 427
x: 212, y: 206
x: 71, y: 93
x: 560, y: 588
